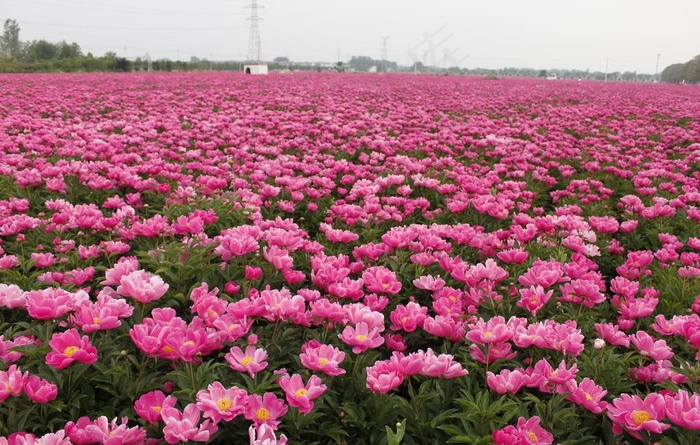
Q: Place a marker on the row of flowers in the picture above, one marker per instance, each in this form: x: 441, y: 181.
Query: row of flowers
x: 207, y: 258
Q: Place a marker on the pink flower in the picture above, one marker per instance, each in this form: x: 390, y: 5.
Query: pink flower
x: 323, y: 358
x: 265, y: 410
x: 513, y: 256
x: 265, y: 435
x: 94, y: 317
x: 361, y: 337
x: 218, y: 403
x: 250, y: 361
x: 150, y: 405
x: 526, y: 432
x: 11, y: 296
x: 142, y: 286
x: 12, y: 382
x: 446, y: 327
x: 493, y: 331
x: 8, y: 261
x: 649, y: 347
x: 442, y: 365
x: 57, y: 438
x: 68, y: 347
x: 612, y: 334
x: 428, y: 282
x: 683, y: 409
x: 39, y: 390
x: 384, y: 376
x: 299, y: 395
x: 184, y: 426
x: 492, y: 352
x: 381, y: 280
x: 112, y: 433
x: 634, y: 414
x: 48, y: 304
x: 506, y: 382
x: 588, y: 395
x: 43, y: 260
x: 543, y: 273
x: 534, y: 298
x: 252, y: 273
x: 409, y: 317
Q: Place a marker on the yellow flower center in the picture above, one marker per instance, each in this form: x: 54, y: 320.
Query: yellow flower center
x: 588, y: 397
x: 224, y: 403
x: 70, y: 350
x: 96, y: 320
x: 531, y: 435
x: 168, y: 349
x: 300, y: 392
x: 262, y: 414
x: 385, y: 285
x: 157, y: 408
x: 189, y: 343
x: 232, y: 327
x: 404, y: 319
x: 361, y: 337
x: 323, y: 361
x: 246, y: 360
x: 639, y: 417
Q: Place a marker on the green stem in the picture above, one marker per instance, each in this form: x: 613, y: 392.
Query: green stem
x: 193, y: 380
x: 416, y: 411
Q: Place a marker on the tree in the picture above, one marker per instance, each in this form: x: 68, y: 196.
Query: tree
x: 68, y: 51
x: 121, y: 64
x: 683, y: 72
x: 10, y: 44
x: 42, y: 50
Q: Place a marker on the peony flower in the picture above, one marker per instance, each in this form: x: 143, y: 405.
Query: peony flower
x: 68, y: 347
x: 265, y: 410
x: 299, y: 395
x: 250, y: 361
x: 39, y: 390
x: 150, y: 405
x: 218, y: 403
x: 634, y: 414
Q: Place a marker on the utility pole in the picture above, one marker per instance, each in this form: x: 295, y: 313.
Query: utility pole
x: 656, y: 74
x: 384, y: 52
x: 606, y: 68
x: 254, y: 44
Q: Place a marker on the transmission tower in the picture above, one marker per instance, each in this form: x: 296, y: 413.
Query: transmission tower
x: 384, y: 52
x: 254, y: 45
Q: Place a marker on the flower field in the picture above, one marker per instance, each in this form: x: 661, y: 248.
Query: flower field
x: 348, y: 259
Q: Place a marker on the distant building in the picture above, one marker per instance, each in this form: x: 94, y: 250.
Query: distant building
x: 255, y: 68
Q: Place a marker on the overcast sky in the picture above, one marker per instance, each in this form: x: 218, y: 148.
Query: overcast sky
x: 542, y: 34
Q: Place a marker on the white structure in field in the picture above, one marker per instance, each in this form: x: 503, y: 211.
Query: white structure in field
x: 255, y: 68
x: 255, y: 64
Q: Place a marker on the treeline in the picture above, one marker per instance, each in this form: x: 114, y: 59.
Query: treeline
x: 41, y: 55
x: 688, y: 72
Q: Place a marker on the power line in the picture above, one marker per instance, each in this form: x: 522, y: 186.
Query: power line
x: 125, y: 28
x: 121, y: 8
